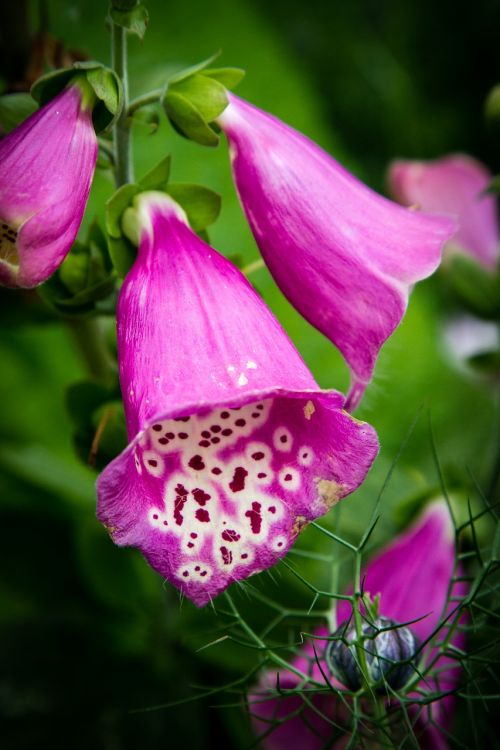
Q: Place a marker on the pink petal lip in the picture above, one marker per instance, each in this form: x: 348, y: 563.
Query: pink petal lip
x: 232, y: 441
x: 344, y: 256
x: 455, y: 184
x: 46, y: 169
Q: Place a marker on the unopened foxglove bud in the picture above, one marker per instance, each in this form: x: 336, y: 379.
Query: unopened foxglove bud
x: 389, y: 650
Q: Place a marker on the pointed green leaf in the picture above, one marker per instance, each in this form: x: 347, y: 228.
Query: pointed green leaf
x: 206, y: 95
x: 189, y: 122
x: 228, y: 77
x: 157, y: 178
x: 135, y: 21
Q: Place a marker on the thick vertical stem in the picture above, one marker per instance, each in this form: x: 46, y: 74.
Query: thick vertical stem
x: 122, y: 134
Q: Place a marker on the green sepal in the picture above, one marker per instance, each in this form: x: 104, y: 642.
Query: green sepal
x: 99, y: 422
x: 14, y: 109
x: 206, y: 95
x: 477, y: 288
x: 202, y: 205
x: 121, y: 251
x: 135, y: 20
x: 187, y: 120
x: 157, y: 178
x: 85, y: 282
x: 104, y: 82
x: 148, y: 116
x: 228, y: 77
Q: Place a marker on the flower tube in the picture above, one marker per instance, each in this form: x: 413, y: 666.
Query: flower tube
x: 344, y: 256
x: 455, y: 185
x: 413, y: 576
x: 233, y: 446
x: 46, y: 169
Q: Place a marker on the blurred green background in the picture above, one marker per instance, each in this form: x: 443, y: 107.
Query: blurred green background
x: 88, y: 633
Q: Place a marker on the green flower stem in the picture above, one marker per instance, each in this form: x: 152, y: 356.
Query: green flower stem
x: 256, y: 265
x: 122, y: 130
x: 142, y: 101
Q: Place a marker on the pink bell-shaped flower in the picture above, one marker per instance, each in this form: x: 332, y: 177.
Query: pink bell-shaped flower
x: 233, y: 446
x: 343, y: 255
x: 455, y: 185
x: 413, y: 576
x: 46, y: 169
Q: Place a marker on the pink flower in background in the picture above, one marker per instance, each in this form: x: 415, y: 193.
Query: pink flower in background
x: 343, y: 255
x: 412, y: 576
x: 233, y: 446
x: 46, y: 169
x: 454, y: 185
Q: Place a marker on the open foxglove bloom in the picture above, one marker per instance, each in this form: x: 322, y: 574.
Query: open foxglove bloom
x: 46, y: 169
x: 454, y: 185
x: 344, y: 256
x: 412, y: 576
x: 233, y: 446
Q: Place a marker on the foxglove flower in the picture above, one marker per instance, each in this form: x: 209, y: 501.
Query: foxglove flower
x: 454, y: 185
x: 233, y: 446
x: 412, y: 575
x: 46, y: 169
x: 344, y: 256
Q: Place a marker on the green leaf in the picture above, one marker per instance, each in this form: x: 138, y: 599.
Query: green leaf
x: 228, y: 77
x: 202, y: 206
x: 14, y: 109
x: 135, y: 20
x: 193, y: 69
x: 188, y: 121
x: 122, y: 254
x: 157, y: 178
x: 207, y: 96
x: 116, y: 205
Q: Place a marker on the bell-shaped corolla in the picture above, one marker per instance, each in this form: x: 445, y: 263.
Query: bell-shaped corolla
x: 46, y: 169
x: 420, y: 589
x: 233, y: 446
x: 455, y: 185
x: 343, y: 255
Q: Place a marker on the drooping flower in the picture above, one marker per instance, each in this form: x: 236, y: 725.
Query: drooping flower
x: 413, y: 576
x: 46, y: 169
x: 344, y: 256
x: 233, y: 446
x: 455, y: 185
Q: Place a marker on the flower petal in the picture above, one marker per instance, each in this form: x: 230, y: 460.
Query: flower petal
x: 454, y: 185
x: 234, y: 448
x: 344, y: 256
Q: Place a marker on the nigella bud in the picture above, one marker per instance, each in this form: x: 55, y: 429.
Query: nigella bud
x: 389, y: 650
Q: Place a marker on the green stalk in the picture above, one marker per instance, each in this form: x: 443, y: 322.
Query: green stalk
x: 122, y: 130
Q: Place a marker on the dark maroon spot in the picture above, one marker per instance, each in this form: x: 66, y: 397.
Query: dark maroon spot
x: 260, y: 407
x: 190, y: 545
x: 280, y: 544
x: 197, y: 568
x: 185, y: 574
x: 205, y: 434
x: 181, y: 490
x: 163, y: 441
x: 193, y: 535
x: 255, y: 517
x: 226, y: 432
x: 200, y: 496
x: 215, y: 428
x: 203, y: 573
x: 196, y: 463
x: 215, y: 440
x: 182, y: 419
x: 305, y: 455
x: 288, y: 477
x: 183, y: 435
x: 155, y: 516
x: 255, y: 414
x: 240, y: 423
x: 227, y: 556
x: 258, y: 456
x: 152, y: 462
x: 204, y: 443
x: 224, y: 415
x: 283, y: 439
x: 261, y: 475
x: 216, y: 471
x: 229, y: 535
x: 179, y: 504
x: 202, y: 515
x: 157, y: 427
x: 169, y: 435
x: 165, y: 523
x: 244, y: 556
x: 238, y: 481
x: 235, y: 408
x: 272, y: 509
